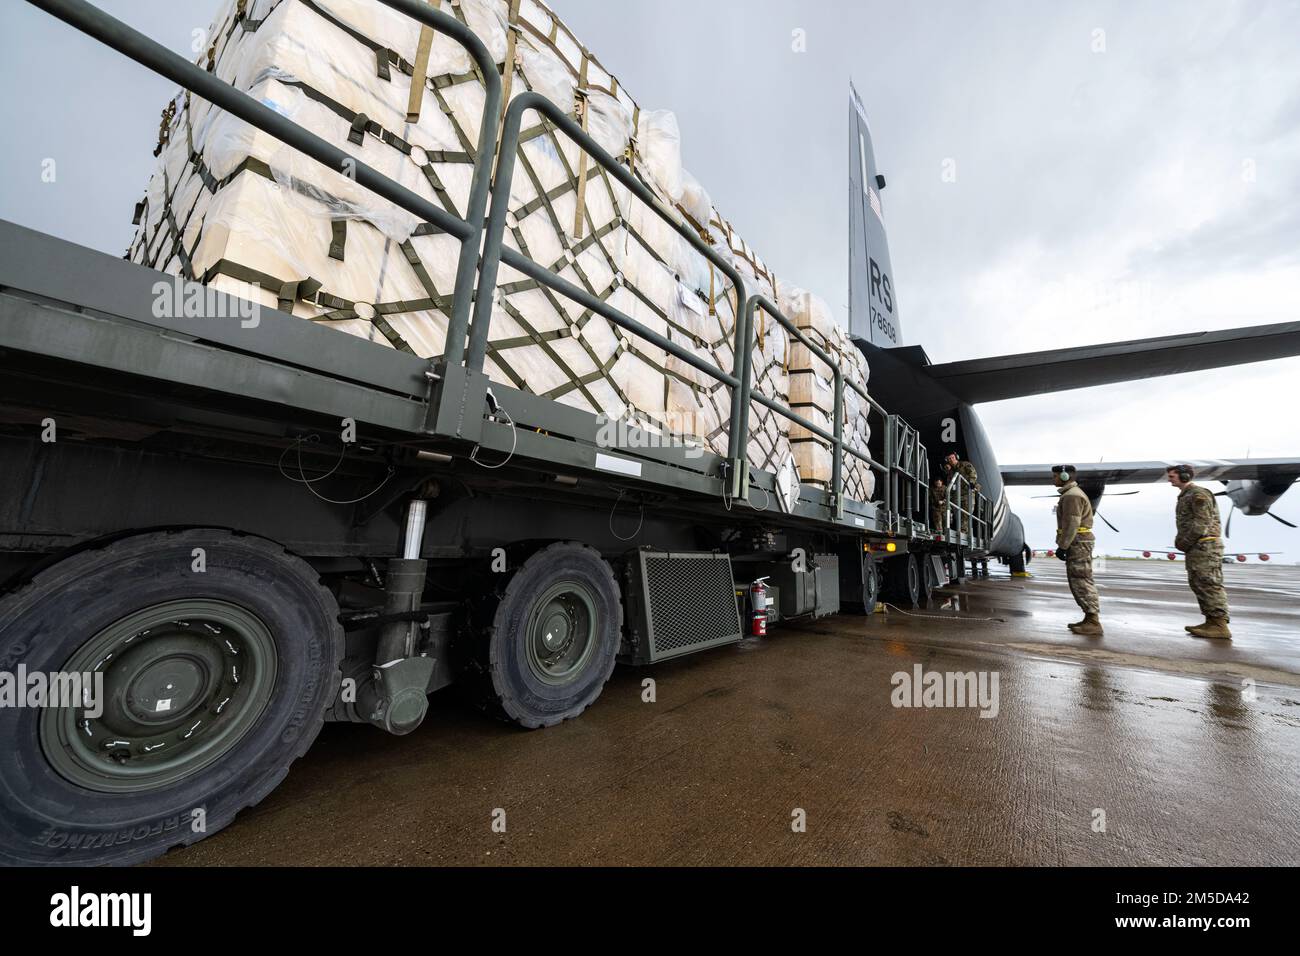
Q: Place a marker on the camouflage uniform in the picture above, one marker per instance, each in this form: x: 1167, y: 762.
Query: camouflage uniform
x: 1074, y: 537
x: 967, y: 471
x: 939, y: 507
x: 1197, y: 514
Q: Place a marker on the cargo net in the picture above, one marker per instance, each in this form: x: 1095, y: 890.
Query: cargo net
x: 236, y: 209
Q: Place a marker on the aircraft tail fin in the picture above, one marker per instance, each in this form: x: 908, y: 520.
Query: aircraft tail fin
x: 873, y: 306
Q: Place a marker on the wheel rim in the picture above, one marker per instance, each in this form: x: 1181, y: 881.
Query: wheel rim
x: 870, y: 585
x: 561, y: 634
x: 182, y: 682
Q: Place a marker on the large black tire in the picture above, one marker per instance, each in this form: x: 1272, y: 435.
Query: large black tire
x: 55, y: 811
x: 506, y: 679
x: 903, y: 577
x: 859, y: 591
x: 870, y: 584
x: 928, y: 581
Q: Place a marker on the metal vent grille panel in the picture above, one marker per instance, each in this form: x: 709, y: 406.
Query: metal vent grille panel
x: 690, y: 602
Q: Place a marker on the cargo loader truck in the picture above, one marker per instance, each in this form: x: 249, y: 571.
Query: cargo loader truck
x: 233, y: 532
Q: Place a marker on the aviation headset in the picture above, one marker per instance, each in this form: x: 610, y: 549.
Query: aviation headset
x: 1184, y: 472
x: 1068, y: 471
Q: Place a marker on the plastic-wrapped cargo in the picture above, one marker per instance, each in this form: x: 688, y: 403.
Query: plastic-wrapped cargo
x: 234, y: 208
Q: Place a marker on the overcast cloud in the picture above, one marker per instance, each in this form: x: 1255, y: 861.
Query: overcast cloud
x: 1122, y: 170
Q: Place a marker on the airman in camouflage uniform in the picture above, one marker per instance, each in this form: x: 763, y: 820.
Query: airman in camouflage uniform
x: 1074, y: 546
x: 939, y: 506
x: 967, y: 500
x: 1197, y: 514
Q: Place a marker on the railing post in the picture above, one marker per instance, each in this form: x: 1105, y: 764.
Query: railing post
x: 493, y: 253
x: 742, y: 368
x: 837, y: 461
x: 889, y: 470
x: 481, y: 181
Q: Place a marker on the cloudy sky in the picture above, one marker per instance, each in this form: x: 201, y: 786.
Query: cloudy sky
x: 1122, y: 170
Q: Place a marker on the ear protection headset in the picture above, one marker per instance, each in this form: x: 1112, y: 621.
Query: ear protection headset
x: 1064, y: 472
x: 1184, y: 472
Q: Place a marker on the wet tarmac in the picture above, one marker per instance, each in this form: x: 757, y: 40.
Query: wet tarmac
x: 1146, y: 746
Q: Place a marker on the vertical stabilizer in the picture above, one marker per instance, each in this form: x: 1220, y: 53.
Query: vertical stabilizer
x: 873, y: 304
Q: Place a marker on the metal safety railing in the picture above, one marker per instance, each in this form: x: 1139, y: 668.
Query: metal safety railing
x: 483, y: 227
x: 835, y: 437
x: 967, y: 514
x: 495, y: 253
x: 907, y: 492
x: 740, y: 380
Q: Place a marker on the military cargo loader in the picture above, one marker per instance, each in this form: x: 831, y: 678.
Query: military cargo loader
x: 232, y: 525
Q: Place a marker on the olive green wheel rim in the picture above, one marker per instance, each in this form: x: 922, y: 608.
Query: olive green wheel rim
x: 173, y: 687
x: 561, y: 632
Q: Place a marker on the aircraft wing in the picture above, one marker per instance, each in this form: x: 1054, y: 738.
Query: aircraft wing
x: 1057, y: 370
x: 1140, y: 472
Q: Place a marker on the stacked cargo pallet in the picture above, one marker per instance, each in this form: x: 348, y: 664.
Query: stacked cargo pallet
x: 812, y: 394
x: 234, y: 208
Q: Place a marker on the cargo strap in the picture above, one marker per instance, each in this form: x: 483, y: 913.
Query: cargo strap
x: 508, y: 67
x: 164, y: 127
x: 292, y: 291
x: 338, y: 238
x: 242, y: 18
x: 629, y: 155
x: 357, y: 133
x: 361, y: 38
x: 581, y: 107
x: 418, y: 74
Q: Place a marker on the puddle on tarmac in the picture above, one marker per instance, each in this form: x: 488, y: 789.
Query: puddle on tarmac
x: 978, y: 605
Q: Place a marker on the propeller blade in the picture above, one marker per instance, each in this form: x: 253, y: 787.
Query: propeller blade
x: 1121, y: 494
x: 1276, y: 518
x: 1108, y: 524
x: 1227, y: 531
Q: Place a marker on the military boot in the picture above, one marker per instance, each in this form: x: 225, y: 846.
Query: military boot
x: 1074, y: 626
x: 1090, y: 626
x: 1214, y: 627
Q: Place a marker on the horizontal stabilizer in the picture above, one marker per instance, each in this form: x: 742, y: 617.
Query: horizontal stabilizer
x: 1037, y: 373
x: 1139, y: 472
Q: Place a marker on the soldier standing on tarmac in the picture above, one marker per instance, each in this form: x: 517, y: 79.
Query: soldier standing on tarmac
x: 1197, y: 514
x: 938, y: 506
x: 1074, y: 544
x: 966, y: 501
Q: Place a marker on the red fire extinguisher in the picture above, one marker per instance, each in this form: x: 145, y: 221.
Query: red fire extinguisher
x: 758, y: 598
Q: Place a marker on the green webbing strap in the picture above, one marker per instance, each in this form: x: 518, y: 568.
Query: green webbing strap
x: 436, y: 298
x: 540, y: 200
x: 453, y: 79
x: 381, y: 64
x: 241, y: 18
x: 448, y: 156
x: 295, y: 290
x: 178, y: 243
x: 416, y: 97
x: 240, y: 273
x: 358, y: 131
x: 339, y: 238
x: 361, y: 38
x: 347, y: 310
x: 439, y: 190
x: 250, y: 164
